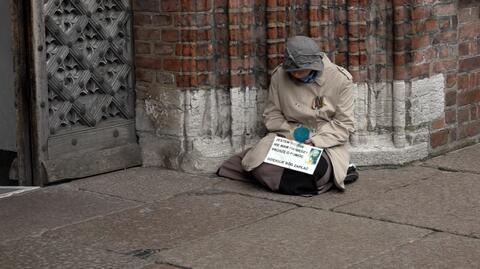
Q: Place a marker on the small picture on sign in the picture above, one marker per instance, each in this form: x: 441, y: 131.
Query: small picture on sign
x: 313, y: 156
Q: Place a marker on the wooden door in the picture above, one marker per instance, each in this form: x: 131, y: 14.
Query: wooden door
x: 84, y: 88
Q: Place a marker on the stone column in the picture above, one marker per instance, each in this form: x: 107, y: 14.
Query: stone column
x: 400, y: 15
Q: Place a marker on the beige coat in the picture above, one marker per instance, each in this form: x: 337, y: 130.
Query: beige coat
x: 290, y: 104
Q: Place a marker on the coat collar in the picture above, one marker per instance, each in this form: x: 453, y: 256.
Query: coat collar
x: 321, y: 78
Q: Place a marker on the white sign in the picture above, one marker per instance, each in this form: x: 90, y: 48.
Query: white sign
x: 293, y: 155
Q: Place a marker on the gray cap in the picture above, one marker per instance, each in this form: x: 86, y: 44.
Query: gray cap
x: 302, y: 53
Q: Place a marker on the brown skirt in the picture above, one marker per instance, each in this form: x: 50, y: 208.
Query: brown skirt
x: 279, y: 179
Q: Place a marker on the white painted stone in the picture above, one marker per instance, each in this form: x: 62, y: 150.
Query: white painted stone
x: 399, y: 99
x: 371, y: 115
x: 383, y: 103
x: 161, y: 150
x: 247, y: 110
x: 385, y: 153
x: 197, y: 130
x: 399, y: 111
x: 361, y: 106
x: 419, y: 135
x: 143, y: 123
x: 427, y: 99
x: 164, y: 112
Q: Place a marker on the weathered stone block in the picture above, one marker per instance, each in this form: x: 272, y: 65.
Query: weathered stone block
x: 427, y: 99
x: 162, y: 151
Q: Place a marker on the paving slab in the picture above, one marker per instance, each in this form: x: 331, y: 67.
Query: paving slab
x: 372, y: 182
x: 38, y: 252
x: 448, y: 202
x: 464, y: 160
x: 144, y: 184
x: 439, y: 250
x: 168, y: 223
x: 43, y: 209
x: 300, y: 238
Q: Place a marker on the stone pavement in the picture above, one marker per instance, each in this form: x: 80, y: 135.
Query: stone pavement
x: 424, y: 215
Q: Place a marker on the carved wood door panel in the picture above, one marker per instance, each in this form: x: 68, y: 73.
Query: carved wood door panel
x: 84, y: 87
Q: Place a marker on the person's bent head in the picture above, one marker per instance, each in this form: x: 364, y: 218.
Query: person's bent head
x: 303, y: 59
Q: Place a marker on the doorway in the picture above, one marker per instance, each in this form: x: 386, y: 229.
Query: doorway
x: 8, y: 124
x: 67, y: 94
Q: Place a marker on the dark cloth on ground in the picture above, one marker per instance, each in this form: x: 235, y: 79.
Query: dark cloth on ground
x: 279, y: 179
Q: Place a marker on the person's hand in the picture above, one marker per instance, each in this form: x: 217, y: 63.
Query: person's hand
x: 308, y: 142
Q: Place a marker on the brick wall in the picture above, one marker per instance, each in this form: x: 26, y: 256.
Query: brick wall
x: 203, y: 67
x: 235, y: 43
x: 458, y: 56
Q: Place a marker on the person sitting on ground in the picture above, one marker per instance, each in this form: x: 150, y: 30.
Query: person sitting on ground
x: 307, y: 90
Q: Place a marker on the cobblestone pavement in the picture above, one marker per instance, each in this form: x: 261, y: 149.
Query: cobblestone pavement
x: 424, y: 215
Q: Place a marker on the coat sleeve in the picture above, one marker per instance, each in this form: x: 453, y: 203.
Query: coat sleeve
x: 274, y: 118
x: 337, y: 131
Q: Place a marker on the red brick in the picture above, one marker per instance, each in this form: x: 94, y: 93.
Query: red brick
x: 197, y: 20
x: 147, y: 33
x: 463, y: 82
x: 422, y: 70
x: 419, y: 27
x: 421, y: 56
x: 444, y: 10
x: 444, y: 66
x: 445, y: 24
x: 143, y: 47
x: 162, y: 20
x: 194, y: 50
x: 450, y: 116
x: 163, y: 49
x: 195, y: 5
x: 144, y: 75
x: 439, y: 138
x: 463, y: 115
x: 170, y: 35
x: 450, y: 98
x: 204, y: 65
x: 469, y: 130
x: 469, y: 64
x: 468, y: 14
x: 431, y: 25
x: 420, y: 42
x: 170, y: 5
x: 464, y: 49
x: 400, y: 13
x: 438, y: 124
x: 468, y: 97
x: 173, y: 65
x: 148, y: 62
x: 142, y: 19
x: 451, y: 80
x: 469, y: 31
x: 420, y: 13
x: 146, y: 5
x: 474, y: 113
x: 452, y: 136
x: 195, y: 35
x: 445, y: 37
